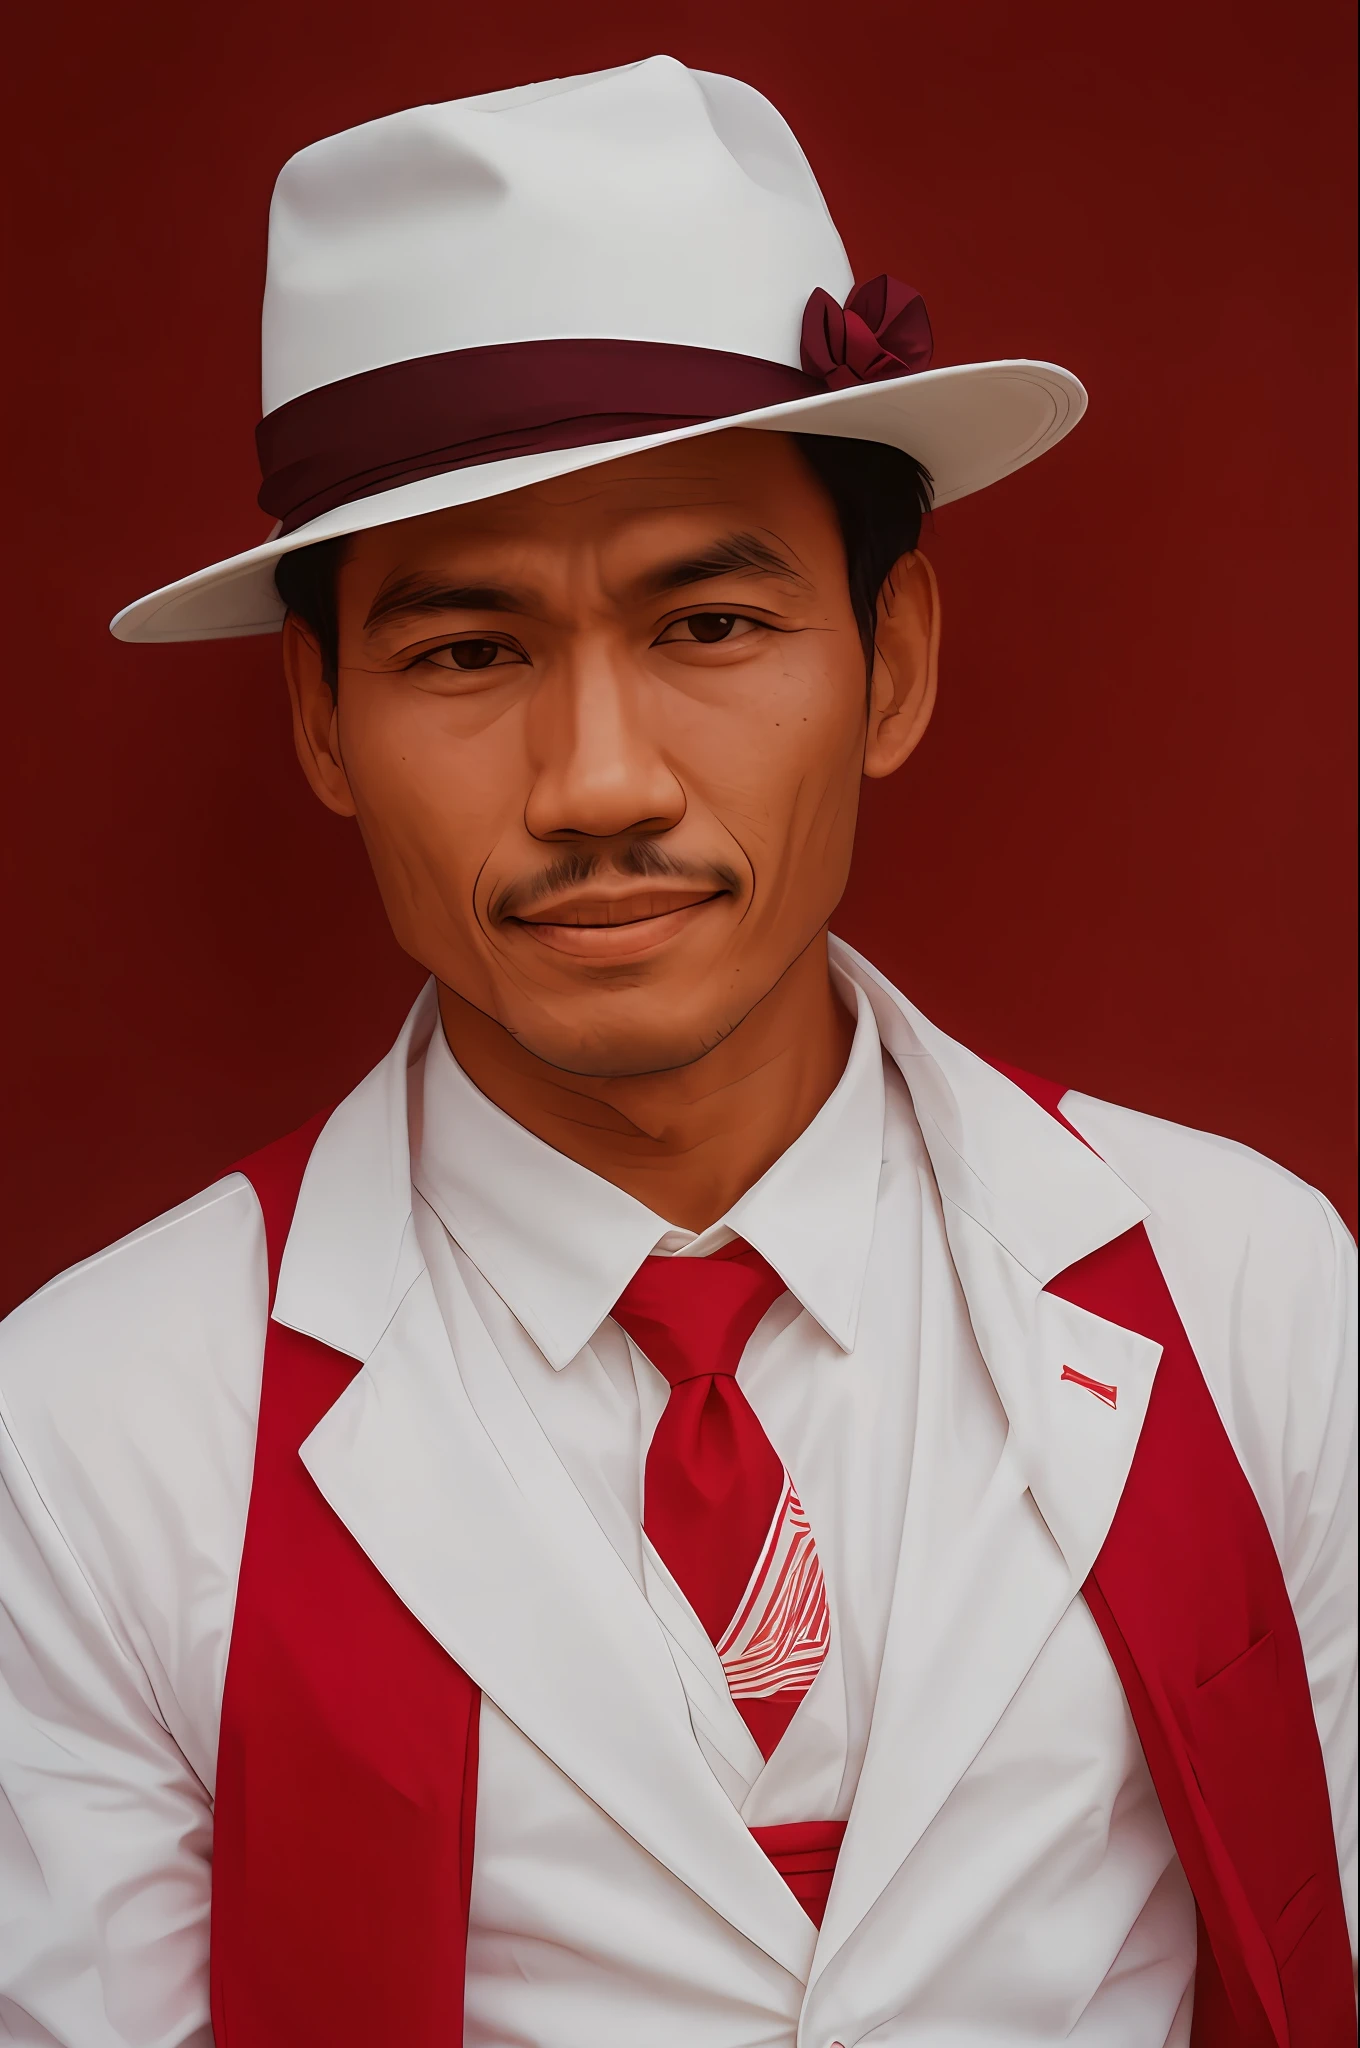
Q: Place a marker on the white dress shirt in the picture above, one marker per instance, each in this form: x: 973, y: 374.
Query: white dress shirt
x: 1006, y: 1876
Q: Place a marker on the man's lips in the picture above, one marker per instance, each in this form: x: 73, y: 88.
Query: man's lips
x: 615, y: 927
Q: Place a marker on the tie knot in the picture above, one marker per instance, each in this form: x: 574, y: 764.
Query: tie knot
x: 693, y: 1317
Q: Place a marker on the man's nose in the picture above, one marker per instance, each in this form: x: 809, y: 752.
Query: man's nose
x: 599, y: 767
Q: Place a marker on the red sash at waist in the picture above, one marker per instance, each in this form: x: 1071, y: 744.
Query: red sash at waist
x: 804, y: 1853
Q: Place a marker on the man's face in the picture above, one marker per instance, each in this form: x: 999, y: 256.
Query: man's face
x: 604, y: 739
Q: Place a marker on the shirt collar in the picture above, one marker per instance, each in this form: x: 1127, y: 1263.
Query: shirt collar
x: 559, y: 1244
x: 997, y: 1156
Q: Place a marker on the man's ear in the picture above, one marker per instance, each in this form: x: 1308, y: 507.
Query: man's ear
x: 906, y: 664
x: 316, y: 718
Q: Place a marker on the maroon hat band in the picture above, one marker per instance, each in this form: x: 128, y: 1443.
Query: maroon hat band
x: 391, y: 425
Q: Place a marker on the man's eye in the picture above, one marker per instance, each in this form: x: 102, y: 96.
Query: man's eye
x: 708, y: 628
x: 467, y: 654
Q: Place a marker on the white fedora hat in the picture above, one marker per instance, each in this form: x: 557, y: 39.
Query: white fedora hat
x: 468, y: 298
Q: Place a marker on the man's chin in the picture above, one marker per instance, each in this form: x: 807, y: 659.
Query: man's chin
x: 651, y: 1040
x: 620, y: 1062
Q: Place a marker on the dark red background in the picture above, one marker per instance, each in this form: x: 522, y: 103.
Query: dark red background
x: 1124, y: 856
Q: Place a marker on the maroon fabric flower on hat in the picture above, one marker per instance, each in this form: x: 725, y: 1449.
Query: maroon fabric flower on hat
x: 882, y: 331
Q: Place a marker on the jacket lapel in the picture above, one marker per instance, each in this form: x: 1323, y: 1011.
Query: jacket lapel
x: 981, y: 1585
x: 1024, y: 1200
x: 963, y: 1633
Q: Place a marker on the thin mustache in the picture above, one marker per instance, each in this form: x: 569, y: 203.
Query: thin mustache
x: 640, y: 860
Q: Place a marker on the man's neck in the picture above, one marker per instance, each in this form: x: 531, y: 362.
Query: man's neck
x: 687, y: 1142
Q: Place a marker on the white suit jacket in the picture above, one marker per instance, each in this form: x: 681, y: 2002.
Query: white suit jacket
x: 128, y: 1394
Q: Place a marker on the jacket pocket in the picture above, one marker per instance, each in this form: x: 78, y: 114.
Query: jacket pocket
x: 1243, y: 1759
x: 1296, y: 1919
x: 1252, y: 1668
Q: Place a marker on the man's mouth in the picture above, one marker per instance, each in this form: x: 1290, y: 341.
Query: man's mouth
x: 618, y: 925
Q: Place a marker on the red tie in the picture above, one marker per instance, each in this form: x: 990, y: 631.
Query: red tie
x: 717, y: 1503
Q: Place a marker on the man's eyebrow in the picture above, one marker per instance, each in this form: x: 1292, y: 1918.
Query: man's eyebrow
x: 412, y: 595
x: 734, y: 554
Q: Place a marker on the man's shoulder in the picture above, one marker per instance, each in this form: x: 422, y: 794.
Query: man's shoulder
x: 129, y: 1396
x: 1230, y: 1202
x: 1217, y: 1199
x: 1263, y: 1273
x: 126, y: 1334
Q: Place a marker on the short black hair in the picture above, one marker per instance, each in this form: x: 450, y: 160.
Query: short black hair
x: 881, y: 496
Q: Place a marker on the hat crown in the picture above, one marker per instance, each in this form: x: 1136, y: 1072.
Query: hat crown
x: 648, y: 203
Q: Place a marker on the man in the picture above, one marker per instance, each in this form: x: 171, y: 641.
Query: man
x: 690, y: 1509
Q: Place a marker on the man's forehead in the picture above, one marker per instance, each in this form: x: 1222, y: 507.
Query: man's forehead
x: 724, y: 465
x: 596, y: 499
x: 644, y: 508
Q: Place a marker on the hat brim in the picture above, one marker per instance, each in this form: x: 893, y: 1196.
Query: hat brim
x: 970, y: 425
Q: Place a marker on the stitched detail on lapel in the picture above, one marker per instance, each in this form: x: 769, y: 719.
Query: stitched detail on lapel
x: 1109, y: 1395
